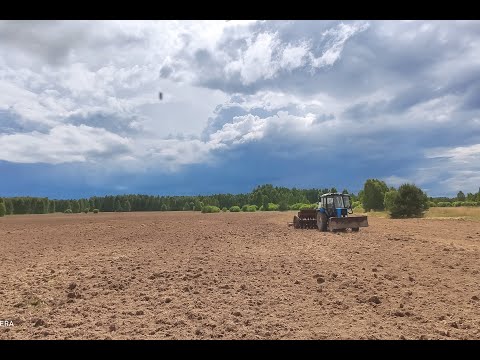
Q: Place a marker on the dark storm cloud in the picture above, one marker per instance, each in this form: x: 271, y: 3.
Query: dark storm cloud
x: 9, y: 123
x: 42, y: 38
x: 472, y: 98
x: 53, y: 41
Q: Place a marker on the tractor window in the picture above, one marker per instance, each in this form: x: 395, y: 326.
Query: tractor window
x: 329, y: 202
x: 346, y: 201
x: 338, y: 202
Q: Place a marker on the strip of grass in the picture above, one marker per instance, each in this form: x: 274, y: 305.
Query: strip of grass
x: 463, y: 212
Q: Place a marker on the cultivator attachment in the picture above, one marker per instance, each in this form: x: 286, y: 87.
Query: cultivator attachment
x: 305, y: 219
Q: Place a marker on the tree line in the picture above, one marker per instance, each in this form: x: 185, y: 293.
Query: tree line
x: 376, y: 195
x: 471, y: 199
x: 408, y: 200
x: 264, y: 197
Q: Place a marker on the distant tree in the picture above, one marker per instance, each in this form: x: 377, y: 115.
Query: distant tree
x: 38, y: 206
x: 3, y: 209
x: 86, y: 210
x: 272, y: 207
x: 163, y: 207
x: 126, y: 206
x: 75, y: 206
x: 95, y: 211
x: 389, y: 199
x: 186, y: 207
x: 224, y: 209
x: 118, y: 206
x: 283, y: 205
x: 108, y: 204
x: 81, y: 205
x: 356, y: 204
x: 265, y: 203
x: 51, y: 206
x: 68, y: 211
x: 9, y: 206
x: 210, y: 209
x: 460, y: 196
x: 374, y: 194
x: 198, y: 205
x: 360, y: 196
x: 20, y: 206
x: 299, y: 206
x: 410, y: 201
x: 235, y: 209
x: 308, y: 206
x: 470, y: 197
x: 344, y: 191
x: 333, y: 190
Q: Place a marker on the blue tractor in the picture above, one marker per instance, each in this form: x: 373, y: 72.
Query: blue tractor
x: 331, y: 215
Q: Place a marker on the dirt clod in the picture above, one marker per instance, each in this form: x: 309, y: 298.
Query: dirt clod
x: 39, y: 322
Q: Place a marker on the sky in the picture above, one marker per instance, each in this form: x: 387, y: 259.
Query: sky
x: 292, y: 103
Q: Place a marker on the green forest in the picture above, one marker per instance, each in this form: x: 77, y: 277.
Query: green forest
x: 264, y: 198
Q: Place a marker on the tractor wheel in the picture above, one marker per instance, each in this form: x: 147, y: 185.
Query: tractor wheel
x: 321, y: 221
x: 296, y: 222
x: 355, y: 229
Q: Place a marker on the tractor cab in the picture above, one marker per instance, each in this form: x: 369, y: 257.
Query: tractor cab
x: 335, y: 205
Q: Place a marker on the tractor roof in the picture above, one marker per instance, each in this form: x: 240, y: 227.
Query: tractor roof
x: 333, y: 194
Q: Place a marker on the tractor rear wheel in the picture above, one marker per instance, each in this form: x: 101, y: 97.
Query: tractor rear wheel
x: 321, y: 221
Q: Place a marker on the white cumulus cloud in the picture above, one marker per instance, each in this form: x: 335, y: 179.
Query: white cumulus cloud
x: 63, y: 143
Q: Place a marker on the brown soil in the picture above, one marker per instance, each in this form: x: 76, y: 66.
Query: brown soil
x: 236, y: 275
